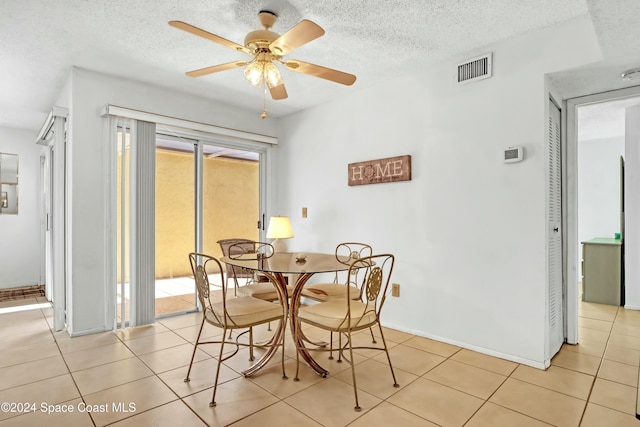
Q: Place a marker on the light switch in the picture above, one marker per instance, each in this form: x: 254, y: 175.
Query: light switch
x: 304, y: 212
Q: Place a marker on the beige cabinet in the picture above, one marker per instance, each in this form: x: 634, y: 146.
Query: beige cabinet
x: 601, y: 271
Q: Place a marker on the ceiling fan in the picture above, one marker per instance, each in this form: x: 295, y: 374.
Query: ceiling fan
x: 268, y: 47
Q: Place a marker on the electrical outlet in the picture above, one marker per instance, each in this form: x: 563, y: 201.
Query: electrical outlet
x: 395, y: 290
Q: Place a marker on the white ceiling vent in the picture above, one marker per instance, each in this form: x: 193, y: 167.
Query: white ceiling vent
x: 474, y: 69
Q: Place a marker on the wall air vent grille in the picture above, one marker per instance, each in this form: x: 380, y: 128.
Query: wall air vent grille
x: 475, y: 69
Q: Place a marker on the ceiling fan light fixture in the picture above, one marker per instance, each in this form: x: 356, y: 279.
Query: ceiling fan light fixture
x: 258, y: 72
x: 254, y: 73
x: 272, y: 75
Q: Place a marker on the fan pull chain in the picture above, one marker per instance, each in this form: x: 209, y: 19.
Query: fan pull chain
x: 264, y: 108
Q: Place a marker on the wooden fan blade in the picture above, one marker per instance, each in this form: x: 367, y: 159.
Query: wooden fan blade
x: 207, y: 35
x: 304, y: 32
x: 215, y: 69
x: 278, y: 92
x: 322, y: 72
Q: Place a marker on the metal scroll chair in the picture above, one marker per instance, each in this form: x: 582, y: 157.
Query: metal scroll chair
x: 260, y: 287
x: 348, y: 315
x: 235, y: 272
x: 229, y: 313
x: 346, y: 253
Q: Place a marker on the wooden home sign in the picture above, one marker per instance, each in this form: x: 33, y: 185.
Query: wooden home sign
x: 391, y: 169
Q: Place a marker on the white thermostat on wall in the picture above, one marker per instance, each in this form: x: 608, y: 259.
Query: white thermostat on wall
x: 513, y: 154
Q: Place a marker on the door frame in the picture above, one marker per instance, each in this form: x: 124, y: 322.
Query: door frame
x: 571, y: 107
x: 53, y: 136
x: 45, y: 229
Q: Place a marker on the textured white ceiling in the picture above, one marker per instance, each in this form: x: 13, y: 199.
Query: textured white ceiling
x: 616, y: 26
x: 40, y: 40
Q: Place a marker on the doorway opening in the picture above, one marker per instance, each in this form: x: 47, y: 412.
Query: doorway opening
x: 596, y: 148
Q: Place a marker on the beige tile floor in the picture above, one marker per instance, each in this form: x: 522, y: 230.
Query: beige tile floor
x: 134, y: 377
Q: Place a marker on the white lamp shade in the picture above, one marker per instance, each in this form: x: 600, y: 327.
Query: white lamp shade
x: 279, y: 228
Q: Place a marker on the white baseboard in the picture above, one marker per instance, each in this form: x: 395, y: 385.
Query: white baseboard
x: 533, y: 363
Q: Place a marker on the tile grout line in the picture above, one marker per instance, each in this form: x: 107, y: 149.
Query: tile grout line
x: 595, y: 376
x: 70, y: 373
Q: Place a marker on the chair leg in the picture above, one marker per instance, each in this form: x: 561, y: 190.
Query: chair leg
x: 283, y: 324
x: 215, y: 383
x: 386, y: 350
x: 373, y: 338
x: 195, y: 347
x: 331, y: 345
x: 353, y: 372
x: 340, y: 348
x: 251, y: 358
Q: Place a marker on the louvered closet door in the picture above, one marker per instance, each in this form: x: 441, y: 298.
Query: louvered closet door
x: 555, y: 315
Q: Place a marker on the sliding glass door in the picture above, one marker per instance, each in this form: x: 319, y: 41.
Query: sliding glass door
x: 204, y: 192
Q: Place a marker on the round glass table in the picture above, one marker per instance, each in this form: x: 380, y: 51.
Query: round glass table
x: 300, y: 267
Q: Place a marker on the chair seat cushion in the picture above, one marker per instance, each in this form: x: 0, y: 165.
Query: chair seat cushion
x: 264, y: 291
x: 244, y: 312
x: 324, y: 291
x: 333, y: 315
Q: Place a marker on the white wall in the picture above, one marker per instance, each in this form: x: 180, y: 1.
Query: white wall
x: 20, y: 234
x: 599, y: 187
x: 469, y: 231
x: 87, y: 214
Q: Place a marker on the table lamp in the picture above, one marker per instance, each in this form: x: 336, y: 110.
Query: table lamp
x: 279, y: 229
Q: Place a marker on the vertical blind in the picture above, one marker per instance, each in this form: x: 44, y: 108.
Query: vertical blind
x: 134, y: 141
